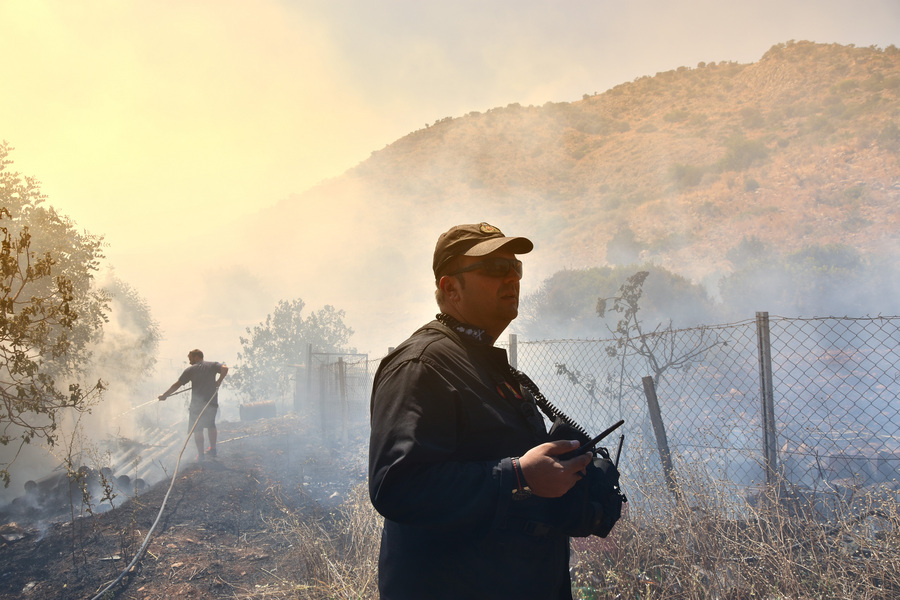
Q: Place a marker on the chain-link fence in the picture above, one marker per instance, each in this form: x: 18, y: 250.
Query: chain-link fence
x: 334, y: 389
x: 813, y: 401
x: 838, y: 400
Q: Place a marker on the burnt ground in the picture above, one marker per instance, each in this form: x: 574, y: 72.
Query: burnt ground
x: 212, y: 540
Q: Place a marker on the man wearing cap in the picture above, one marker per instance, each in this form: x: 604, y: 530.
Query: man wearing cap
x: 475, y: 497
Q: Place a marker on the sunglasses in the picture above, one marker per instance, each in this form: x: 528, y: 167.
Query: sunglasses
x: 493, y: 267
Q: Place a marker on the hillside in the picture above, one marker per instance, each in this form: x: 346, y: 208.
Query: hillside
x: 802, y: 146
x: 799, y: 148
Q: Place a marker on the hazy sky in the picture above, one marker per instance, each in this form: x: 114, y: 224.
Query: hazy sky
x: 152, y: 122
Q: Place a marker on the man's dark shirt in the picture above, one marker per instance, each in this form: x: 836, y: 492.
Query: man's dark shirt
x: 446, y: 418
x: 202, y: 377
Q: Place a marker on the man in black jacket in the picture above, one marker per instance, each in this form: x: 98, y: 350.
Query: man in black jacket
x: 475, y: 497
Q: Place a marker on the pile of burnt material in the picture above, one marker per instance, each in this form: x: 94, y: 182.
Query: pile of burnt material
x: 864, y: 469
x: 129, y: 468
x: 62, y: 494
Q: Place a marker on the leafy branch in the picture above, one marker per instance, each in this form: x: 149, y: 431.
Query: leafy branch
x: 35, y: 322
x: 657, y: 347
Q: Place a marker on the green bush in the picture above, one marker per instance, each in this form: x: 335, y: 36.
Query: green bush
x: 752, y: 117
x: 676, y: 116
x: 846, y: 197
x: 685, y: 176
x: 818, y: 124
x: 741, y: 153
x: 889, y: 138
x: 749, y: 250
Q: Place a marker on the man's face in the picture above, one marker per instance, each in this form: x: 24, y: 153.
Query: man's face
x: 193, y: 359
x: 486, y: 301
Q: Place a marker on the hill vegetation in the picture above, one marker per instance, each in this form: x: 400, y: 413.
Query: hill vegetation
x: 771, y: 167
x: 801, y: 147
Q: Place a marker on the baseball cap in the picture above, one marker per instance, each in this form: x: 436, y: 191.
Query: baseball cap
x: 477, y: 239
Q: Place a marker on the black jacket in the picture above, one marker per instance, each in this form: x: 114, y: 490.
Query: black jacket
x: 446, y: 418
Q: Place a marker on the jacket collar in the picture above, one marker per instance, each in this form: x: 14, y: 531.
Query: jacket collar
x: 470, y: 333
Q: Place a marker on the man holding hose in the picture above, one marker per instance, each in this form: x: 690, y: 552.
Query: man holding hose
x: 205, y: 377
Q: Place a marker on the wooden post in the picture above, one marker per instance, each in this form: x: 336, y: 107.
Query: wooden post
x: 662, y: 443
x: 767, y: 398
x: 298, y: 375
x: 324, y: 384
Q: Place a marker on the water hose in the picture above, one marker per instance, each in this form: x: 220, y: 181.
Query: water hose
x: 143, y: 548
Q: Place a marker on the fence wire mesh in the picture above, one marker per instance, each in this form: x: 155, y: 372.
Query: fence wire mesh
x: 835, y: 384
x: 835, y: 397
x: 336, y: 390
x: 838, y: 388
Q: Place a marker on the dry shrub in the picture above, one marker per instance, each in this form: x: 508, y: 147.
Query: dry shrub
x: 330, y: 555
x: 718, y: 543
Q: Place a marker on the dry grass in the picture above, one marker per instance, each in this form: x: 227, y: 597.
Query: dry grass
x: 842, y: 543
x: 839, y: 543
x: 330, y: 556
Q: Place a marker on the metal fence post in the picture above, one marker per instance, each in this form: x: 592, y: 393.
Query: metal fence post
x: 767, y: 397
x: 342, y: 388
x: 513, y: 351
x: 309, y: 374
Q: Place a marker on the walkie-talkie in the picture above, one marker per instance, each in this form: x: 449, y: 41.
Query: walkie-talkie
x: 589, y: 446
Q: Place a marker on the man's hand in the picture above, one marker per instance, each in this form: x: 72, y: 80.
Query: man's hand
x: 169, y: 391
x: 548, y: 476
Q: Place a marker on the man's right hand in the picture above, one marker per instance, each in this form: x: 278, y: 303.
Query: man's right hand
x: 162, y: 397
x: 549, y: 477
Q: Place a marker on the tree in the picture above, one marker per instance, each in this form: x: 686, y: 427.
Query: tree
x: 564, y: 305
x: 127, y: 350
x: 76, y: 259
x: 624, y: 248
x: 657, y: 347
x: 749, y: 251
x: 49, y: 314
x: 817, y: 280
x: 273, y: 348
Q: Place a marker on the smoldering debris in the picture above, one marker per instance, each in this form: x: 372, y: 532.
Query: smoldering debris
x: 129, y: 467
x: 297, y: 449
x: 12, y: 532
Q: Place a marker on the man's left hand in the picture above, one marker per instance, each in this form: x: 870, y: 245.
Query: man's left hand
x: 549, y: 477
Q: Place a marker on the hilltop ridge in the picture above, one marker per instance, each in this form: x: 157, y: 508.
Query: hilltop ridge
x: 799, y: 148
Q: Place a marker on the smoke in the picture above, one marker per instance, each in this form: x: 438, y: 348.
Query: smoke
x: 107, y: 435
x: 255, y: 121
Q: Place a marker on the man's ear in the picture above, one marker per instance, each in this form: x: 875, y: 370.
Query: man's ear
x: 450, y: 287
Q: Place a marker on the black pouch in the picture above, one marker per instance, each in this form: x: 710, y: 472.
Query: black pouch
x: 604, y: 493
x: 595, y: 502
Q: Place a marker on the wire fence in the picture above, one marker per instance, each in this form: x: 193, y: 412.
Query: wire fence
x: 335, y: 390
x: 814, y: 400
